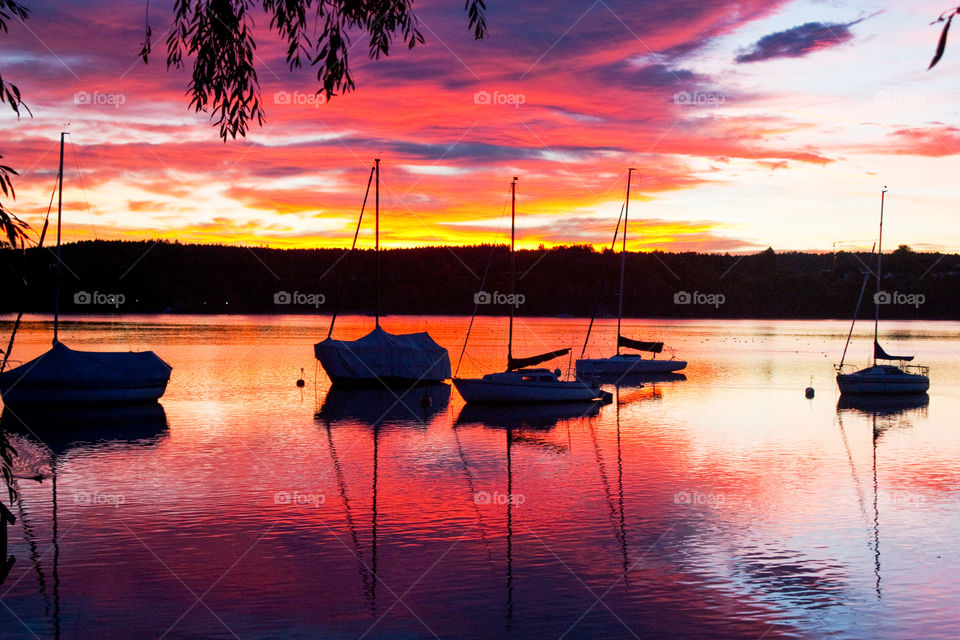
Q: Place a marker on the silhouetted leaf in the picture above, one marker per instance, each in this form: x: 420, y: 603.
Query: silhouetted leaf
x: 146, y: 47
x: 942, y: 45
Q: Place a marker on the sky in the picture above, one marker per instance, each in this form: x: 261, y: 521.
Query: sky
x: 751, y: 124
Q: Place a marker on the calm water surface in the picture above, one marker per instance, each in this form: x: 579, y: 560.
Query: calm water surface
x: 724, y: 505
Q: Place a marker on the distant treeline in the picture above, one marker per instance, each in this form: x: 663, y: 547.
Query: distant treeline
x: 156, y: 277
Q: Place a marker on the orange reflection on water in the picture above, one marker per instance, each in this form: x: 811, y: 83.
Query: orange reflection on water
x: 723, y: 504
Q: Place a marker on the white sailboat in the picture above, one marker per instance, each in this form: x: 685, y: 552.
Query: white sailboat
x: 880, y: 378
x: 521, y: 383
x: 64, y: 376
x: 381, y: 358
x: 625, y: 364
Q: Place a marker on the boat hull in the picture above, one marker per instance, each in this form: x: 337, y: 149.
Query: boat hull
x: 21, y: 394
x: 882, y: 381
x: 626, y: 365
x: 485, y: 391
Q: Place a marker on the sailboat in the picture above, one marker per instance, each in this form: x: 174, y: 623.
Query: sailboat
x: 879, y: 378
x: 381, y: 358
x: 521, y: 382
x: 621, y: 364
x: 64, y: 376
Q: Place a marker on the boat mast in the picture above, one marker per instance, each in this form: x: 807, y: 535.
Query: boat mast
x: 876, y: 302
x: 513, y: 265
x: 623, y: 257
x: 377, y: 241
x: 56, y: 301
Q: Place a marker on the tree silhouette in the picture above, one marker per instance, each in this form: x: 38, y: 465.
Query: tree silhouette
x: 12, y: 228
x: 218, y: 35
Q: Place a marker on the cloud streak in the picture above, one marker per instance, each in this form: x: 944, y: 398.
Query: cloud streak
x: 798, y: 41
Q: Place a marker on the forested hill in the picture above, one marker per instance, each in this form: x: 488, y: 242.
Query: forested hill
x: 147, y: 277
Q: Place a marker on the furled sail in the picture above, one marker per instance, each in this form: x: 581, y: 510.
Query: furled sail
x: 880, y: 354
x: 639, y: 345
x: 519, y: 363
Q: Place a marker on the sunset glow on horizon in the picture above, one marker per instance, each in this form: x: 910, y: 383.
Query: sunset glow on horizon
x: 751, y: 124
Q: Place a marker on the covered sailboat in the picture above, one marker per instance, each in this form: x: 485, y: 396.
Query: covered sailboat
x: 624, y: 364
x: 522, y: 382
x: 381, y: 358
x: 384, y: 357
x: 64, y: 376
x: 881, y: 378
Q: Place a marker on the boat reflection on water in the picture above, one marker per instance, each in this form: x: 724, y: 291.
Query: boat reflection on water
x: 376, y: 409
x: 882, y: 406
x: 62, y: 429
x: 630, y: 388
x: 883, y: 413
x: 377, y: 406
x: 44, y: 436
x: 543, y: 416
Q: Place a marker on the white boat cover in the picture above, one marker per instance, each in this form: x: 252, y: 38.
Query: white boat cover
x: 383, y: 356
x: 61, y: 367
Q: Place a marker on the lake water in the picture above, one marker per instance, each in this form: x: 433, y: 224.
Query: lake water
x: 723, y: 505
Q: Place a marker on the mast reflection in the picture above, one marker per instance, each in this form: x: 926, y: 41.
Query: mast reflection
x: 375, y: 409
x: 884, y: 413
x: 518, y: 422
